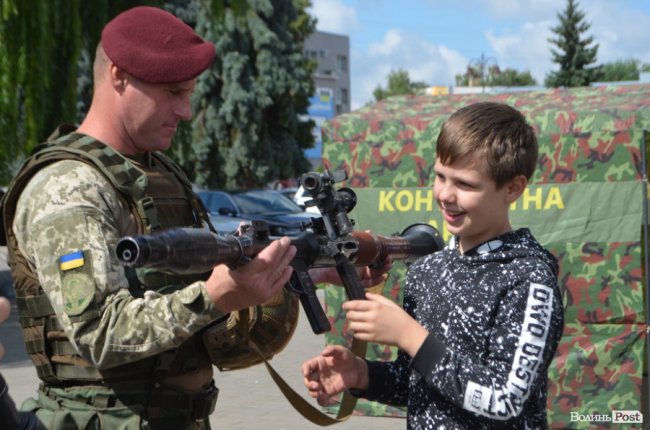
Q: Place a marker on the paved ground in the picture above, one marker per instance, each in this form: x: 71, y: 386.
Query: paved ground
x: 247, y: 397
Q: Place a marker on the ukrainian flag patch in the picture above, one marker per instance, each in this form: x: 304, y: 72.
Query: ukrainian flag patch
x: 71, y: 261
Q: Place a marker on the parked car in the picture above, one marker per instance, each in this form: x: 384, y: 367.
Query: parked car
x: 229, y: 208
x: 288, y: 192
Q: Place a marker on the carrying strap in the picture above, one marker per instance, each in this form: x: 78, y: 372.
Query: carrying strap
x: 305, y: 408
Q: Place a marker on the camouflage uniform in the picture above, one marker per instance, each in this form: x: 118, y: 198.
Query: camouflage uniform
x: 138, y: 360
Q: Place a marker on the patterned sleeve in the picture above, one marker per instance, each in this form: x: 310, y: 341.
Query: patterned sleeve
x: 69, y: 216
x: 519, y: 348
x: 388, y: 382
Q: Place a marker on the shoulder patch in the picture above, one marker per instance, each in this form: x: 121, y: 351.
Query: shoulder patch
x: 78, y: 292
x: 71, y: 261
x: 77, y: 282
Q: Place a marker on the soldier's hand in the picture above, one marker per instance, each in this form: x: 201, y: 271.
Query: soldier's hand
x: 255, y: 282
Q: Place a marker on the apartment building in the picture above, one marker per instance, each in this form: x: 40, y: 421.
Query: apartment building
x: 332, y: 82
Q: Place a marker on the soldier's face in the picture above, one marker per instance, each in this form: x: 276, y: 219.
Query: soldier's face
x: 152, y: 112
x: 472, y: 206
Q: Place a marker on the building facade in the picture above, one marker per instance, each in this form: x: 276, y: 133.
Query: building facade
x: 332, y: 53
x: 331, y: 80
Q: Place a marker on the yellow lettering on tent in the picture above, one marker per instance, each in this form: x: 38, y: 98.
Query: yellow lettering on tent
x: 528, y: 198
x: 404, y: 201
x: 535, y: 199
x: 424, y: 198
x: 554, y: 199
x: 384, y: 201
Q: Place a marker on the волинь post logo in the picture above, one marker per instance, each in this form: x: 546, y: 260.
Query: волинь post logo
x: 618, y: 417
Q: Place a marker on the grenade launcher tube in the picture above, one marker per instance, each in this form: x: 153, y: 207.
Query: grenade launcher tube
x: 190, y: 250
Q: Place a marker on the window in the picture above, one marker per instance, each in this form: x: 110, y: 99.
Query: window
x: 342, y: 96
x: 342, y: 63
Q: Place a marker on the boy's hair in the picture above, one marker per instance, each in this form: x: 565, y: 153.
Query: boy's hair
x: 495, y: 131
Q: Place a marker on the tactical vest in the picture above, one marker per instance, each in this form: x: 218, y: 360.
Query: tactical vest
x: 146, y: 191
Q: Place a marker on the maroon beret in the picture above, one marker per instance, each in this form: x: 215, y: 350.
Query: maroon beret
x: 155, y: 46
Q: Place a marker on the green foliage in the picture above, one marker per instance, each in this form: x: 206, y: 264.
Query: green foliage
x: 399, y: 83
x: 574, y: 53
x: 507, y: 78
x: 39, y: 48
x: 621, y: 70
x: 247, y: 129
x: 513, y: 78
x: 46, y: 53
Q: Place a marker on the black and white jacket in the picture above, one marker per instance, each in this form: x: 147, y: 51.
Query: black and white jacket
x: 495, y: 318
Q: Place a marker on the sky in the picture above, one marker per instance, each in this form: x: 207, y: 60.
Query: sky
x: 434, y: 40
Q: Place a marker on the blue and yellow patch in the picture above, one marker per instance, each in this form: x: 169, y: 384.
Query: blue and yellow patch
x: 71, y: 261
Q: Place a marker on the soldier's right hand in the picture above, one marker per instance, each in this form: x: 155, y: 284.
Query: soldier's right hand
x: 253, y: 283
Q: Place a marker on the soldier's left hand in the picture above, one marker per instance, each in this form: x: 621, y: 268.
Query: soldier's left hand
x: 253, y: 283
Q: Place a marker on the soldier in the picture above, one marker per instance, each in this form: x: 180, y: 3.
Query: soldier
x: 482, y: 318
x: 116, y: 347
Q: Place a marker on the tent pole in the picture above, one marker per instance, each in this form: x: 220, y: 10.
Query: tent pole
x: 646, y: 259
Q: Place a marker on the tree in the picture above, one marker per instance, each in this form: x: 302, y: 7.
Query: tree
x: 399, y: 83
x: 46, y: 52
x: 248, y: 129
x: 574, y: 54
x: 513, y: 78
x: 496, y: 77
x: 621, y: 70
x: 37, y: 74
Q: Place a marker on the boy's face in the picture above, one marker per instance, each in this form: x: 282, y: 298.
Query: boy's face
x: 472, y: 206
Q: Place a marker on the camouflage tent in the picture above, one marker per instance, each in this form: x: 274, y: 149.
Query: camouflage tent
x: 585, y: 203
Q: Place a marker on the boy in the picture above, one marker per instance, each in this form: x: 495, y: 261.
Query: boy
x: 482, y: 318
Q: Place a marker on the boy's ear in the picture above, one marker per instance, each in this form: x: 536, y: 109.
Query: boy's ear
x: 515, y: 188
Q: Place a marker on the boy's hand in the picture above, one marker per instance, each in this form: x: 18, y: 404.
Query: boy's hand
x: 380, y: 320
x: 337, y: 369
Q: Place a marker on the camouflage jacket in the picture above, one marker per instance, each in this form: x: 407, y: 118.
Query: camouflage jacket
x: 67, y: 207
